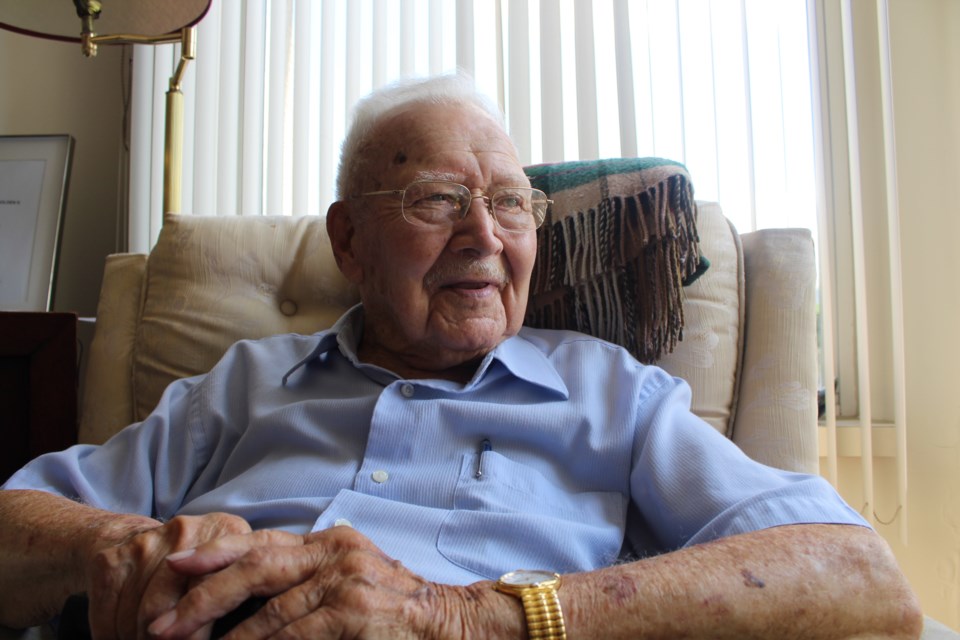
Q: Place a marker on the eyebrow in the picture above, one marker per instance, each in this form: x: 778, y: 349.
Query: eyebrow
x: 436, y: 175
x: 513, y: 180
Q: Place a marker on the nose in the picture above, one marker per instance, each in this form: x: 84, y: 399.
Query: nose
x: 477, y: 231
x: 484, y: 200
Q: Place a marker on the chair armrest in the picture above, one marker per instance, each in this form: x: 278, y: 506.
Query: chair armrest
x: 776, y: 420
x: 107, y: 404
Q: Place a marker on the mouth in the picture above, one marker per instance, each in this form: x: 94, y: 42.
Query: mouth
x: 471, y: 285
x: 468, y: 277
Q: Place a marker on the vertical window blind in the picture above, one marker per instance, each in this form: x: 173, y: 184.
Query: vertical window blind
x: 720, y: 85
x: 734, y: 89
x: 863, y: 331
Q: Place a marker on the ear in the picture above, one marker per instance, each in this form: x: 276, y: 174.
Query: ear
x: 341, y: 232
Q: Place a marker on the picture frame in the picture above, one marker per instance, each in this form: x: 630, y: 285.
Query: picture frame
x: 34, y: 179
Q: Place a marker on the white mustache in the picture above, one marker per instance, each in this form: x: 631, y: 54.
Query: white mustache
x: 467, y: 270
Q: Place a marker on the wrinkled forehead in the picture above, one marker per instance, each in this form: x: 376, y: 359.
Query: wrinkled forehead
x: 450, y: 141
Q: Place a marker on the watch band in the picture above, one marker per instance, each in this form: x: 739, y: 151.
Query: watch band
x: 544, y: 617
x: 537, y: 592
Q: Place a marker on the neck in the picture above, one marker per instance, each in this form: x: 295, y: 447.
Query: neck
x: 421, y: 368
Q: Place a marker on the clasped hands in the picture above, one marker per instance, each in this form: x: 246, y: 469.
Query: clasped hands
x: 175, y: 580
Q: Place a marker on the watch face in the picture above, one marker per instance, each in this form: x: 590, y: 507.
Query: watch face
x: 527, y: 577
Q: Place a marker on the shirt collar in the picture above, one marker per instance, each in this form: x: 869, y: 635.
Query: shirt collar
x: 516, y: 354
x: 345, y: 334
x: 524, y: 361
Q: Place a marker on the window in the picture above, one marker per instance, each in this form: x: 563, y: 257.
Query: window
x: 720, y: 85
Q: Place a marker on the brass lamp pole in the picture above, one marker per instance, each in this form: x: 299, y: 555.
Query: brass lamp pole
x: 129, y: 22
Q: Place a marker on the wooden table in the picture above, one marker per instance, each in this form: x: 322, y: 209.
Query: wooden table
x: 38, y: 386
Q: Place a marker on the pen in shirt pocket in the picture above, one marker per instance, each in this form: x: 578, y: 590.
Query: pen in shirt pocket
x: 485, y: 446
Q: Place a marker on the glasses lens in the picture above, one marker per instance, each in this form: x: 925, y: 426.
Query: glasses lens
x: 519, y: 208
x: 434, y: 203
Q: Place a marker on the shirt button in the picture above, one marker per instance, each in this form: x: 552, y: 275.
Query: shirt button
x: 406, y: 390
x: 342, y: 522
x: 380, y: 476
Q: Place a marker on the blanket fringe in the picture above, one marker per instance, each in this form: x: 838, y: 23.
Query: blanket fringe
x: 616, y: 272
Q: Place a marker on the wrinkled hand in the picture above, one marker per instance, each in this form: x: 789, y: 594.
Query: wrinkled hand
x: 330, y: 584
x: 130, y: 584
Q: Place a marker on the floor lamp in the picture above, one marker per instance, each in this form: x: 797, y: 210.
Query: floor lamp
x: 91, y: 23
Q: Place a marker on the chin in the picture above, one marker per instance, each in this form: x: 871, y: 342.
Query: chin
x: 474, y: 342
x: 475, y: 346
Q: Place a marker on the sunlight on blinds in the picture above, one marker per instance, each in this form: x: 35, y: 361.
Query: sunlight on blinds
x: 720, y: 85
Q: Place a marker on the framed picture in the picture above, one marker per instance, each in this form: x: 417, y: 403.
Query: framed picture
x: 34, y: 174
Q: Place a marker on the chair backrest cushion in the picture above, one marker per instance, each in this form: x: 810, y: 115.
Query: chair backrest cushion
x: 709, y: 357
x: 211, y: 281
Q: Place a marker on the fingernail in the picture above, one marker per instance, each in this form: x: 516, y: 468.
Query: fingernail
x: 180, y: 555
x: 162, y: 623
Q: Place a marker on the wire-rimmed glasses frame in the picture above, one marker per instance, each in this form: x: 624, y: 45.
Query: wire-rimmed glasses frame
x: 441, y: 203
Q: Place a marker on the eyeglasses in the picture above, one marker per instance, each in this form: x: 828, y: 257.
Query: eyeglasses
x: 440, y: 203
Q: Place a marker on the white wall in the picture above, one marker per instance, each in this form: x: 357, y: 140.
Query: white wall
x: 925, y: 43
x: 926, y: 68
x: 48, y: 87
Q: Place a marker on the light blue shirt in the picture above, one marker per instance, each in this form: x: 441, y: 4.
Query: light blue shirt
x: 562, y: 452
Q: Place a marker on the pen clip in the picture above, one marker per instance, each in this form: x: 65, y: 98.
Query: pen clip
x: 485, y: 446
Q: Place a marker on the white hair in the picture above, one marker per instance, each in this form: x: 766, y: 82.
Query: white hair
x: 384, y: 102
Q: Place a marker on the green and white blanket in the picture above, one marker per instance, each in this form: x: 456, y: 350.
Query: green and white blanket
x: 619, y: 243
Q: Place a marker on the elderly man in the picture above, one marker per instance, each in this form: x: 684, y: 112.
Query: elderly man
x: 377, y: 479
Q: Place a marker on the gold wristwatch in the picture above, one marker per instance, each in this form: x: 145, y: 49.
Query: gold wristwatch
x: 537, y: 590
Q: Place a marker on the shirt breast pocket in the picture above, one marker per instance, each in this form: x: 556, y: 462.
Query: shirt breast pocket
x: 513, y: 517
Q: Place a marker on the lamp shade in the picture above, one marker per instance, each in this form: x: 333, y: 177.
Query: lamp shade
x: 58, y: 20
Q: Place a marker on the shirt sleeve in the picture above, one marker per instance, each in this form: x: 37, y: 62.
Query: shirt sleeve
x: 691, y: 484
